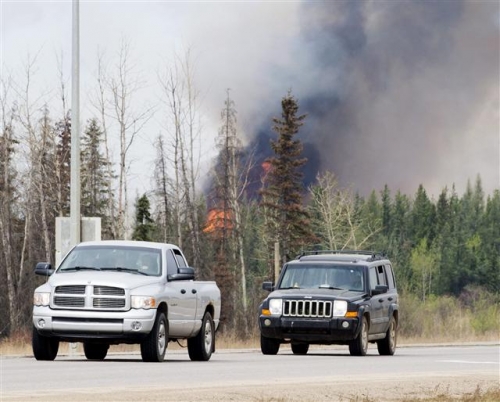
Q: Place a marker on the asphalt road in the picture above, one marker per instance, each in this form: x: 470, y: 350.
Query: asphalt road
x: 323, y: 374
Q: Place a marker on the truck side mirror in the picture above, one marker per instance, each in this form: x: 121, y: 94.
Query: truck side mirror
x: 183, y: 274
x: 44, y: 269
x: 269, y: 286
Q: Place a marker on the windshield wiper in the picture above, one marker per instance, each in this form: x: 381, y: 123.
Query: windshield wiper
x: 80, y: 268
x: 290, y: 287
x: 330, y: 287
x: 124, y: 269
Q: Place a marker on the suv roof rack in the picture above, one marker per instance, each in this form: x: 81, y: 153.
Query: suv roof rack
x: 373, y: 255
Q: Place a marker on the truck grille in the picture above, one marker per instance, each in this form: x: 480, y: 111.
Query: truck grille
x: 64, y: 301
x: 109, y: 303
x: 88, y: 297
x: 307, y: 308
x: 71, y: 289
x: 108, y: 291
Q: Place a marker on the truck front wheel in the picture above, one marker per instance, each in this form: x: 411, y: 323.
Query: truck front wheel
x: 44, y: 347
x: 153, y: 348
x: 201, y: 347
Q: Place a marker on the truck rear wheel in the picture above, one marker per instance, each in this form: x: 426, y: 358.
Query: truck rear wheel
x: 95, y: 351
x: 44, y: 347
x: 201, y: 347
x: 153, y: 348
x: 269, y: 346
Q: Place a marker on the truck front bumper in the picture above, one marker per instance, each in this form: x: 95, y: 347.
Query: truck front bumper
x: 77, y: 325
x: 310, y: 330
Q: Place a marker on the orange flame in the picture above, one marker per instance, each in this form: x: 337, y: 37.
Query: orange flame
x: 217, y: 220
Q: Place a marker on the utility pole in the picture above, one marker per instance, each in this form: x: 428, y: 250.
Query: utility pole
x: 75, y: 128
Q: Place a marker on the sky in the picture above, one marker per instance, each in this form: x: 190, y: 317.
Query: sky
x: 396, y: 92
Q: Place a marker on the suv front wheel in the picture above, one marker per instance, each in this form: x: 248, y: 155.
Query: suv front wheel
x: 269, y: 346
x: 359, y: 346
x: 387, y: 346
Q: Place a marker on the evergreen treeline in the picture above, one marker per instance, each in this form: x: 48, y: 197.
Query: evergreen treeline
x: 443, y: 246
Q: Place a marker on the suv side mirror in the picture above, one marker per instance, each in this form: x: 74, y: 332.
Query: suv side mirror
x: 44, y: 269
x: 379, y: 289
x: 183, y: 274
x: 269, y: 286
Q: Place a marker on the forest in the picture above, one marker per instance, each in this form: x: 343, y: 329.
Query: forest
x: 445, y: 251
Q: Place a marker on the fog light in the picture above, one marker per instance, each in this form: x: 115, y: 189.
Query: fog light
x: 41, y: 323
x: 345, y: 324
x: 267, y: 322
x: 136, y: 325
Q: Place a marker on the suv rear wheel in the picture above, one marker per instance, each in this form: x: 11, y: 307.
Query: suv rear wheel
x: 300, y: 348
x: 359, y: 346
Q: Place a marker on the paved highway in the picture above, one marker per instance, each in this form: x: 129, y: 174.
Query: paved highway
x: 323, y: 374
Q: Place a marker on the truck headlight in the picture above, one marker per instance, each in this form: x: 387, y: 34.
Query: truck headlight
x: 144, y: 302
x: 339, y: 308
x: 275, y: 306
x: 41, y: 299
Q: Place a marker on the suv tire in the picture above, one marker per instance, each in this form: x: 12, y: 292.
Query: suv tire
x: 269, y: 346
x: 300, y: 348
x: 359, y: 346
x: 387, y: 346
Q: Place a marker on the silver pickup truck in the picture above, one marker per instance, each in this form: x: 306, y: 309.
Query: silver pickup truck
x: 112, y: 292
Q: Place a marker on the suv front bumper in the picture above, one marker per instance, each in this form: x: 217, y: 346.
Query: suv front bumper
x: 311, y: 330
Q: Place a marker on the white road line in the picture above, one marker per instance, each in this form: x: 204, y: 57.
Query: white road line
x: 466, y: 361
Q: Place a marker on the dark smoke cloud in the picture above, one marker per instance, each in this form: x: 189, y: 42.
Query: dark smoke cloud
x: 400, y: 92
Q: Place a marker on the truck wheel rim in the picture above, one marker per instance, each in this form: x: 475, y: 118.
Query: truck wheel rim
x: 392, y: 336
x: 208, y: 336
x: 161, y: 338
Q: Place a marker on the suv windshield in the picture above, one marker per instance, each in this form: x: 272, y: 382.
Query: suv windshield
x: 314, y: 276
x: 135, y: 260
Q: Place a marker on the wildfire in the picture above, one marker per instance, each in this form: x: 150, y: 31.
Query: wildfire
x: 218, y: 220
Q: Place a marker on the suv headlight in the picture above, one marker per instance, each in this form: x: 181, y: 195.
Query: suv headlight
x: 41, y: 299
x: 275, y: 306
x: 144, y: 302
x: 339, y: 308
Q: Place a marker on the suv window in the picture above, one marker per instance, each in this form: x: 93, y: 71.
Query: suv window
x: 382, y: 279
x: 373, y: 278
x: 390, y: 276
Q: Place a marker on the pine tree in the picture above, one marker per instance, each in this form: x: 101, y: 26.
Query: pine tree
x: 95, y: 178
x: 283, y: 191
x: 144, y: 224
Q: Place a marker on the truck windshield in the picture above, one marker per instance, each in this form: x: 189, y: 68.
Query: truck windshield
x: 135, y: 260
x: 314, y: 276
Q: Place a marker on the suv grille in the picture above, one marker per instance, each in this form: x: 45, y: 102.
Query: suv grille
x: 307, y: 308
x: 88, y: 297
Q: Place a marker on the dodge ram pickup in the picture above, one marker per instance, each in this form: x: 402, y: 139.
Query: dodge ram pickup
x: 112, y: 292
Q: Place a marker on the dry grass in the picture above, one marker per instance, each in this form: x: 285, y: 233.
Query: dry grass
x: 490, y: 395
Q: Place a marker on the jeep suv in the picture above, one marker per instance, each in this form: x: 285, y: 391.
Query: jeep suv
x: 331, y: 297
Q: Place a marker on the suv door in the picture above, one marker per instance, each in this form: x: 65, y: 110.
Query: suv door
x: 379, y: 317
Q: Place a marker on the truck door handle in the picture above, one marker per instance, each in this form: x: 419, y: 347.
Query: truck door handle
x: 381, y: 300
x: 193, y: 291
x: 183, y: 291
x: 390, y: 299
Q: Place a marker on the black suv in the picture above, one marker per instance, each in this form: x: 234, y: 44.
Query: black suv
x: 331, y: 297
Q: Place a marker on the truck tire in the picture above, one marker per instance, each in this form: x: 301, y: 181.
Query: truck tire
x: 300, y: 348
x: 95, y: 351
x: 201, y: 347
x: 154, y: 346
x: 359, y: 346
x: 269, y: 346
x: 44, y: 347
x: 387, y: 346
